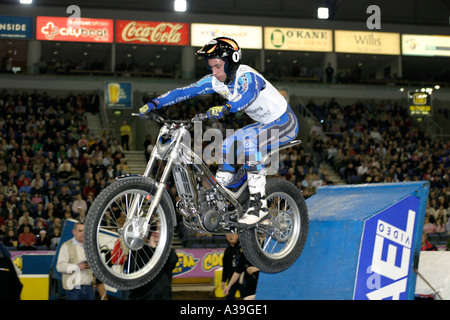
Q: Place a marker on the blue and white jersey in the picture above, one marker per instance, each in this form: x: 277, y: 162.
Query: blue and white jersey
x: 249, y: 91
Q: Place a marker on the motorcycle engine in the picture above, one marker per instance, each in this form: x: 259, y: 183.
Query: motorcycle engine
x: 209, y: 215
x: 212, y: 210
x: 203, y: 208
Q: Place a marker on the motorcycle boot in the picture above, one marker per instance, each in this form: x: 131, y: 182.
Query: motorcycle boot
x: 224, y: 177
x: 257, y: 208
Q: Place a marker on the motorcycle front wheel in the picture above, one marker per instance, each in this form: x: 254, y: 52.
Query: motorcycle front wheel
x: 275, y: 243
x: 123, y: 250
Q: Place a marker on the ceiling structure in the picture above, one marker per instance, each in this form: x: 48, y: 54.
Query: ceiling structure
x: 406, y: 12
x: 416, y: 12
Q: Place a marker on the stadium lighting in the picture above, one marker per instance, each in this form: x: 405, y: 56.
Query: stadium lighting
x: 179, y: 5
x: 26, y: 1
x: 322, y: 13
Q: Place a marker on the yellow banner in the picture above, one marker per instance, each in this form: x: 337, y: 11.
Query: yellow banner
x: 421, y: 45
x: 366, y: 42
x: 298, y: 39
x: 249, y: 37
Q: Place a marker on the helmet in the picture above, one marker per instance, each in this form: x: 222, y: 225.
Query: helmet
x: 223, y: 48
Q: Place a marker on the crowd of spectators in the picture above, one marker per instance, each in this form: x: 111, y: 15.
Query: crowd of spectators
x: 363, y: 142
x: 51, y: 166
x: 373, y: 142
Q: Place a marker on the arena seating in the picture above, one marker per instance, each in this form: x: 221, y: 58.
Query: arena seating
x: 46, y: 145
x: 362, y: 142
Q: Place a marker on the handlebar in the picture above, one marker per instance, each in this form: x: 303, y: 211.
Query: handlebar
x: 158, y: 117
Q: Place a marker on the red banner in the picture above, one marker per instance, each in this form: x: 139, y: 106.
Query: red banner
x: 74, y: 29
x: 149, y: 32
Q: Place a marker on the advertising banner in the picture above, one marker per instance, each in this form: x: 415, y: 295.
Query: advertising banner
x: 118, y: 95
x: 192, y: 263
x: 74, y: 29
x: 150, y: 32
x: 298, y: 39
x: 419, y: 104
x: 197, y: 263
x: 366, y: 42
x: 16, y: 27
x: 387, y: 252
x: 249, y: 37
x: 420, y: 45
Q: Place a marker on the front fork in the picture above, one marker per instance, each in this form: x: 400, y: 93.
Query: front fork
x: 133, y: 216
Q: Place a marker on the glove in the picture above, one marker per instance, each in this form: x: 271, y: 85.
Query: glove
x: 217, y: 112
x: 146, y: 108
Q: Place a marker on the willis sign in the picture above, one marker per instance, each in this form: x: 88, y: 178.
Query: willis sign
x: 149, y: 32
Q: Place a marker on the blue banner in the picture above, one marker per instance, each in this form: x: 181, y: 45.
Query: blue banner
x: 16, y: 27
x: 387, y: 252
x: 118, y: 95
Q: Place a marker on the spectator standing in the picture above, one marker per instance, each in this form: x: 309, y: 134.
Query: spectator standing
x: 125, y: 131
x: 160, y: 287
x: 230, y: 262
x: 71, y: 260
x: 9, y: 281
x: 250, y: 273
x: 329, y: 71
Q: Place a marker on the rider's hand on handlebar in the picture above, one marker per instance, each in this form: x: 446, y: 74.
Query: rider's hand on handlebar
x: 146, y: 108
x: 217, y: 112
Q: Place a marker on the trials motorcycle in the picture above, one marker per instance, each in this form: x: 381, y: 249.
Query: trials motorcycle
x: 129, y: 227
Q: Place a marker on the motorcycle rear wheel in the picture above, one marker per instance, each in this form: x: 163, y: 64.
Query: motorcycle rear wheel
x: 275, y: 243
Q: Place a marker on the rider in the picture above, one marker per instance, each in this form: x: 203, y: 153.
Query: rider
x: 245, y: 89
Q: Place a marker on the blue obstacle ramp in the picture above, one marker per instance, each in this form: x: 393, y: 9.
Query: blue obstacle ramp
x: 361, y: 244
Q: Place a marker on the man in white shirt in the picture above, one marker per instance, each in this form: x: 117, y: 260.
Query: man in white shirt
x: 77, y: 277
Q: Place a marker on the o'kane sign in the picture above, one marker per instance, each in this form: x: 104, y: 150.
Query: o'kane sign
x: 150, y: 32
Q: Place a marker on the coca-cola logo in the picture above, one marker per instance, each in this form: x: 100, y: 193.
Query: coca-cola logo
x: 163, y: 32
